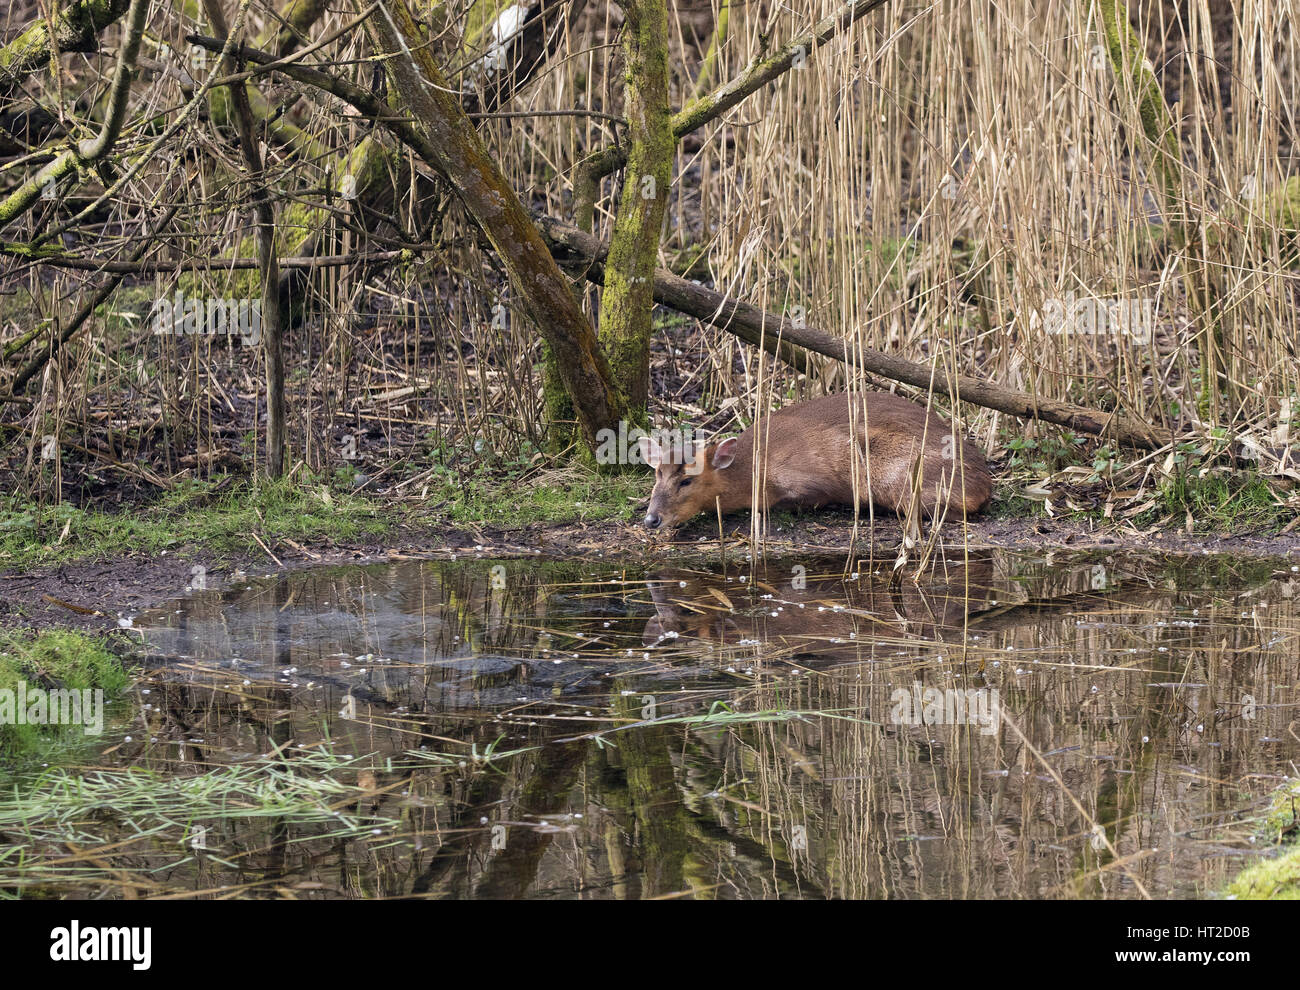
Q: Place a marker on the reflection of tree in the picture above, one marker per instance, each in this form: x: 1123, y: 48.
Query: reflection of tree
x: 513, y: 871
x: 440, y: 875
x: 817, y: 807
x: 654, y: 801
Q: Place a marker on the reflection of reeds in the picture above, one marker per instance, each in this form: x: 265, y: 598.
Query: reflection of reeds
x: 911, y: 811
x: 768, y: 764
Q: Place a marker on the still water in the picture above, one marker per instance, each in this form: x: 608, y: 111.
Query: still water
x: 996, y: 725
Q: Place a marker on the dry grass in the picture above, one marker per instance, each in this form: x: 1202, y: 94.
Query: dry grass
x: 926, y: 184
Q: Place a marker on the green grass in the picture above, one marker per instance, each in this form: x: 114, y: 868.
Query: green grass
x: 226, y: 520
x: 571, y: 495
x: 55, y: 658
x: 1278, y: 877
x: 488, y: 485
x: 222, y: 523
x: 188, y: 516
x: 1222, y: 501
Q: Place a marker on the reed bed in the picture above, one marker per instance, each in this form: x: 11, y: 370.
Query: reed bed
x: 964, y: 184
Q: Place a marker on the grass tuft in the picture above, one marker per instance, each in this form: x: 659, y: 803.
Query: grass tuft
x: 55, y: 658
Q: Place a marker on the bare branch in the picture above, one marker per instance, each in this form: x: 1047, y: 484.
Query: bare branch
x: 76, y: 29
x: 92, y: 150
x: 756, y: 326
x: 760, y: 72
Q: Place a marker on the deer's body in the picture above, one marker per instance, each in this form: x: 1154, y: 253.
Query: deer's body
x: 806, y: 457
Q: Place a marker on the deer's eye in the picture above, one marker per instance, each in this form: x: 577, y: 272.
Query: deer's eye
x: 685, y: 482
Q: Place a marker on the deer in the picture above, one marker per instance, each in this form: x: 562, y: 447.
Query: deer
x: 864, y: 449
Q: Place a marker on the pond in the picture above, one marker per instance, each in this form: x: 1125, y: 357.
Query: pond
x: 1010, y: 725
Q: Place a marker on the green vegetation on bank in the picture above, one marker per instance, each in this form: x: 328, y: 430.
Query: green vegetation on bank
x: 219, y: 517
x: 238, y: 517
x: 516, y: 495
x: 54, y: 659
x: 1200, y: 483
x: 1278, y: 877
x: 228, y: 518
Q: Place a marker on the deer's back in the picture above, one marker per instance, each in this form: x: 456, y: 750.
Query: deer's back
x: 811, y: 461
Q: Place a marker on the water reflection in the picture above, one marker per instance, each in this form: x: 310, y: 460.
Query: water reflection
x: 786, y: 729
x: 816, y: 610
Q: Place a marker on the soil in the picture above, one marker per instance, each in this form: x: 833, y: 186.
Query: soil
x: 96, y: 595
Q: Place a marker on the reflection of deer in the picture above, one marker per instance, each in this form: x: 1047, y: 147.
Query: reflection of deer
x: 828, y: 615
x: 817, y: 610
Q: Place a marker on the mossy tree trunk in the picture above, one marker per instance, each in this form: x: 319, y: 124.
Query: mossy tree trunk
x: 561, y: 424
x: 627, y: 304
x: 273, y: 315
x: 457, y: 153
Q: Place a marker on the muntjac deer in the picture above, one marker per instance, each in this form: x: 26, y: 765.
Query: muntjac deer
x: 806, y: 457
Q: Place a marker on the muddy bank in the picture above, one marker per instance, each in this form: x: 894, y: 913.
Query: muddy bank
x: 96, y: 595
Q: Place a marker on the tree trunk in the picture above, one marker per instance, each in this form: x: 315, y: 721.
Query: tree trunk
x: 272, y: 312
x: 458, y: 154
x: 627, y: 304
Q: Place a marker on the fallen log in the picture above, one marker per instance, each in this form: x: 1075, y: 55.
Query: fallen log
x: 759, y: 327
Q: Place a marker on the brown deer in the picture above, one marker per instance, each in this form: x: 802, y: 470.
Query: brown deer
x: 842, y: 449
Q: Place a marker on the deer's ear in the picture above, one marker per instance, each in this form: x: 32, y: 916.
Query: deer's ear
x: 650, y: 452
x: 725, y: 453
